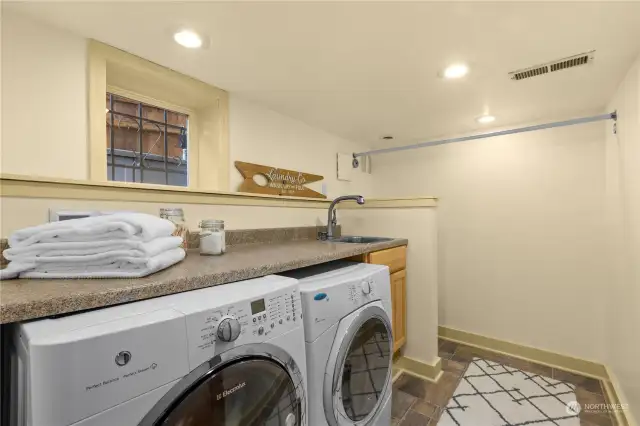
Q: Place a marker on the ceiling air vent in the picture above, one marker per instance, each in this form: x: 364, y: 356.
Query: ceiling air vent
x: 561, y: 64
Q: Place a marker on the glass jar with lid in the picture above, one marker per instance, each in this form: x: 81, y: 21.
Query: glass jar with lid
x: 212, y: 237
x: 176, y: 215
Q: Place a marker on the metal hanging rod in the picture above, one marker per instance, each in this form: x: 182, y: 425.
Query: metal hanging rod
x: 610, y: 116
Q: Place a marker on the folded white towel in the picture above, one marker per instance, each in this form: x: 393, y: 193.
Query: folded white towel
x: 137, y: 226
x: 114, y: 267
x: 85, y: 251
x: 12, y: 270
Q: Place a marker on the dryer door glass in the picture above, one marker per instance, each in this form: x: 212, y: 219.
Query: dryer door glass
x: 250, y: 392
x: 366, y: 369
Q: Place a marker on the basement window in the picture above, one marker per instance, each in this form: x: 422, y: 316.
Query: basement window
x: 145, y: 143
x: 190, y: 148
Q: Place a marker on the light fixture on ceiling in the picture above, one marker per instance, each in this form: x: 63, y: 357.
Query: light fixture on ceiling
x: 484, y: 119
x: 188, y: 39
x: 455, y: 71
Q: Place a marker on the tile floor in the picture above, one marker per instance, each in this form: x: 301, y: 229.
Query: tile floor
x: 418, y: 402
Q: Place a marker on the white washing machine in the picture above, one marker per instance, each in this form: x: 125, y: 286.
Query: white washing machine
x: 229, y: 355
x: 349, y: 343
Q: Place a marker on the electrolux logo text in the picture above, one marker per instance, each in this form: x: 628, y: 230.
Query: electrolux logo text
x: 228, y: 392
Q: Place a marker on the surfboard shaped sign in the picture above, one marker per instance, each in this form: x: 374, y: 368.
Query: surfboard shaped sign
x: 260, y: 179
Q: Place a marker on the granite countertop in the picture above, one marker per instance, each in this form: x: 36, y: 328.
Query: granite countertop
x: 28, y: 299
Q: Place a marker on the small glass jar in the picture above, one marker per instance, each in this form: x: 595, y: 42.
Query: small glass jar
x: 176, y: 215
x: 212, y: 237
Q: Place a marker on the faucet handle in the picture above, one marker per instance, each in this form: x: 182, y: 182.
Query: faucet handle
x: 322, y: 236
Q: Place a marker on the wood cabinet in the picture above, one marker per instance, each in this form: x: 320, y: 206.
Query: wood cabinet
x: 396, y: 259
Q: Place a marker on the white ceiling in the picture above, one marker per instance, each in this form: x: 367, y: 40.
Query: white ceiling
x: 363, y: 70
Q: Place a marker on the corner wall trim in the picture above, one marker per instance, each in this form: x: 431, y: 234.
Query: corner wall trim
x: 431, y: 372
x: 540, y: 356
x: 616, y: 396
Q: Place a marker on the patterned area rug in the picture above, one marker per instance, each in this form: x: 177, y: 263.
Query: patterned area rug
x: 492, y: 394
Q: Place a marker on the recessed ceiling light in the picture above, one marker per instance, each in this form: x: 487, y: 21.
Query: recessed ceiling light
x: 188, y: 39
x: 455, y: 71
x: 484, y: 119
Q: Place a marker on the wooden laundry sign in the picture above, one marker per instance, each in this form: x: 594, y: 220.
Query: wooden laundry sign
x: 276, y: 181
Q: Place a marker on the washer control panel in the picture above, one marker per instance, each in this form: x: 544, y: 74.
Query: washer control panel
x: 276, y: 311
x: 361, y: 292
x: 250, y: 321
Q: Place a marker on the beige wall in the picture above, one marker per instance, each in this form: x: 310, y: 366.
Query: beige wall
x: 259, y: 135
x: 419, y: 226
x: 623, y: 244
x: 44, y: 104
x: 520, y: 234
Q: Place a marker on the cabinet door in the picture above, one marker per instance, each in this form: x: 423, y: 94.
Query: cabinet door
x: 395, y: 258
x: 399, y: 306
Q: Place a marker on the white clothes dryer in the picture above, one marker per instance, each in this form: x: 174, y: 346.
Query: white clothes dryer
x: 349, y: 343
x: 228, y: 355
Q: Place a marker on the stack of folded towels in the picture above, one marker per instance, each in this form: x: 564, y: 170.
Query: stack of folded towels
x: 122, y: 245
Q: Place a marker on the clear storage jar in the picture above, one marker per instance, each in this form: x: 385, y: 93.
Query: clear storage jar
x: 176, y: 215
x: 212, y: 237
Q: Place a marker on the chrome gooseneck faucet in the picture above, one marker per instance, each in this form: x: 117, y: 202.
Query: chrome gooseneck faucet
x: 331, y: 220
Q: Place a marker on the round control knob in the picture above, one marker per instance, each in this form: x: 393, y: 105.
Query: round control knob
x: 229, y: 329
x: 261, y: 330
x: 366, y: 287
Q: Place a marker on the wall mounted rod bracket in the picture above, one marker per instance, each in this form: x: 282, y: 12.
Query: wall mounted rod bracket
x: 355, y: 163
x: 610, y: 116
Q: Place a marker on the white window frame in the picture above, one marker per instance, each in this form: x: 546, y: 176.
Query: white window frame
x: 192, y: 125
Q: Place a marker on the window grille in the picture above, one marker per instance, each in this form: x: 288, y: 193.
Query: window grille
x: 145, y: 143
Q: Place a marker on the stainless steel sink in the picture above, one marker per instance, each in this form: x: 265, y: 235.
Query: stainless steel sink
x: 359, y: 240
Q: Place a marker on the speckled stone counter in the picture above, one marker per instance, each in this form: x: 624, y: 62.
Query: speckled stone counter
x: 28, y: 299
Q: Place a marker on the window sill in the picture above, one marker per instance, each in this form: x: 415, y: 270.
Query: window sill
x: 21, y: 186
x: 40, y: 187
